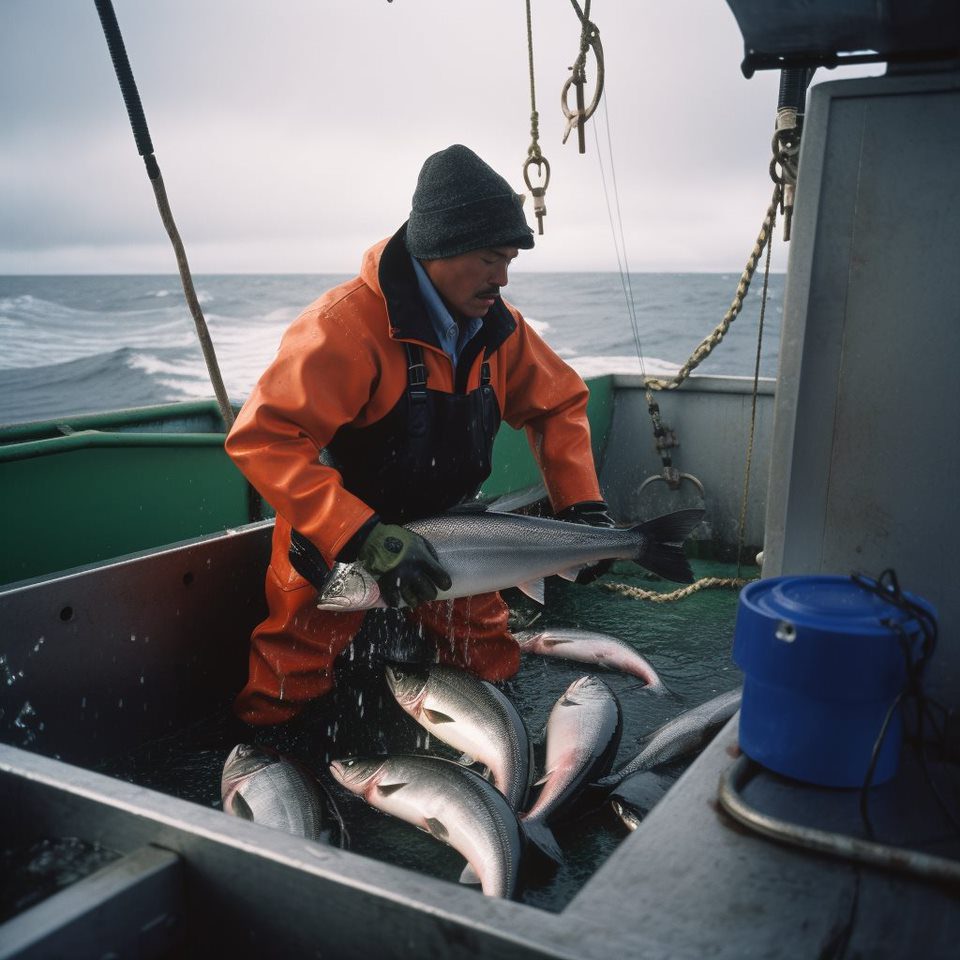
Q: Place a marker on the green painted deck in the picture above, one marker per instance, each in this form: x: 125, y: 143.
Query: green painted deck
x: 86, y: 489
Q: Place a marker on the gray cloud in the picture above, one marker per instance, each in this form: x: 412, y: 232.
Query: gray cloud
x: 290, y: 135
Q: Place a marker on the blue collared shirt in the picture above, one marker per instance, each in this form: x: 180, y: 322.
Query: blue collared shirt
x: 453, y: 337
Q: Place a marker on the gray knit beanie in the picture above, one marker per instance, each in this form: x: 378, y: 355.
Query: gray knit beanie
x: 462, y: 204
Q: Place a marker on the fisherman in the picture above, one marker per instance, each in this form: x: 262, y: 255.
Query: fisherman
x: 380, y: 407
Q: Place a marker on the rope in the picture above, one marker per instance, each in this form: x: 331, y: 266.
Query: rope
x: 186, y: 281
x: 708, y: 343
x: 141, y: 135
x: 534, y: 149
x: 589, y: 37
x: 753, y: 408
x: 535, y: 155
x: 704, y: 583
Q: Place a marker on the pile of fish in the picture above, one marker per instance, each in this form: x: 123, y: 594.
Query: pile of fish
x: 495, y: 821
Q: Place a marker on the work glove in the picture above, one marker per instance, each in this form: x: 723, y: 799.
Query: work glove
x: 405, y: 565
x: 595, y: 513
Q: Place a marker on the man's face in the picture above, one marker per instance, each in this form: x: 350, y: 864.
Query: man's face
x: 468, y: 283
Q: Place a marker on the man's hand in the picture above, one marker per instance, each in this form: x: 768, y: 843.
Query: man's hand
x: 405, y: 564
x: 595, y: 513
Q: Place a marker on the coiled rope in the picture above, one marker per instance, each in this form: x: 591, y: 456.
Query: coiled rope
x: 704, y: 583
x: 589, y: 39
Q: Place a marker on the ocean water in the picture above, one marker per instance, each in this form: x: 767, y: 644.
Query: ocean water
x: 86, y: 344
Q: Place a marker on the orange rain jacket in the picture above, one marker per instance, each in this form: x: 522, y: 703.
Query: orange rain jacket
x: 340, y: 376
x: 343, y: 362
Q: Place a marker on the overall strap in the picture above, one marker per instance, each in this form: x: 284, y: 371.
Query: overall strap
x: 416, y: 372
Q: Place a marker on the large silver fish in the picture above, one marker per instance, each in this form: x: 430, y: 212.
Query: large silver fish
x: 472, y: 716
x: 259, y: 784
x: 583, y: 733
x: 588, y: 647
x: 488, y: 552
x: 455, y: 805
x: 688, y: 733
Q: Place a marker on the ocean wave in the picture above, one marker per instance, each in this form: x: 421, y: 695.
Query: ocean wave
x: 44, y: 332
x: 107, y: 381
x: 202, y: 295
x: 540, y: 326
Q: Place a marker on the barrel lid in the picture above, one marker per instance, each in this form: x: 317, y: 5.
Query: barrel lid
x: 824, y: 602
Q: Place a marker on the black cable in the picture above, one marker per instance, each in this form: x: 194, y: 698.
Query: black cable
x: 915, y: 658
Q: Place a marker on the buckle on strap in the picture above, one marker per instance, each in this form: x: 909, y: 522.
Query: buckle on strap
x: 416, y: 373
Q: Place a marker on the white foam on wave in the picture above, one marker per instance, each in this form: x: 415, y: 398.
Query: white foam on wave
x: 282, y: 315
x: 541, y: 326
x: 202, y: 295
x: 153, y: 365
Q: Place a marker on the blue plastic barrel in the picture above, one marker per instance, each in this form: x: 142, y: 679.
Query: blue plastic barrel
x: 821, y: 670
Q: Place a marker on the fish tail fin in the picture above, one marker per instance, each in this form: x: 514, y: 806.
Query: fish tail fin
x: 541, y: 836
x: 663, y: 544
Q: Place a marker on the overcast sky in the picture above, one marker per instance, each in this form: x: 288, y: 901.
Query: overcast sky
x: 290, y: 133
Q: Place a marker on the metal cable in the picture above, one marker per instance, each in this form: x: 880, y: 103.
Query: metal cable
x: 753, y: 408
x: 841, y: 845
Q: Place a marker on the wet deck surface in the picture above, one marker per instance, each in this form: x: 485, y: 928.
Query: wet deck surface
x: 689, y: 643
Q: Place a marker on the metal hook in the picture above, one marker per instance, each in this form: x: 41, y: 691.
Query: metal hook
x: 581, y: 115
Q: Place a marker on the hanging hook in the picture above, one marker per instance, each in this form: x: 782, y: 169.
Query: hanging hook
x: 537, y: 192
x: 589, y: 40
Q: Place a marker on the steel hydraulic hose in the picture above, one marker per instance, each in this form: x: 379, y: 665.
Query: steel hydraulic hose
x: 841, y: 845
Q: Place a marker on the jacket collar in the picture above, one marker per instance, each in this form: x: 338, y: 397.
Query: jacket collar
x: 407, y: 312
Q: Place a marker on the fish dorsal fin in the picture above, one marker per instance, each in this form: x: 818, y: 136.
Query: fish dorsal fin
x: 543, y: 779
x: 435, y: 828
x: 571, y: 573
x: 437, y: 716
x: 556, y: 642
x: 533, y: 589
x: 389, y: 788
x: 469, y: 875
x: 239, y: 807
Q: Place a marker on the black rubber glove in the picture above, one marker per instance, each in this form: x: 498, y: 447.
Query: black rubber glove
x: 597, y: 514
x: 405, y: 564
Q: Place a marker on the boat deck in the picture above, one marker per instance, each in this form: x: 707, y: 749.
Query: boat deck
x: 688, y: 882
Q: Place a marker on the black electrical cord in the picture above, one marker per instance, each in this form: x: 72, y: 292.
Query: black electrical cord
x: 917, y: 648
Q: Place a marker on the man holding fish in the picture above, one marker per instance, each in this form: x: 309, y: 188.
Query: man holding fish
x: 380, y: 409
